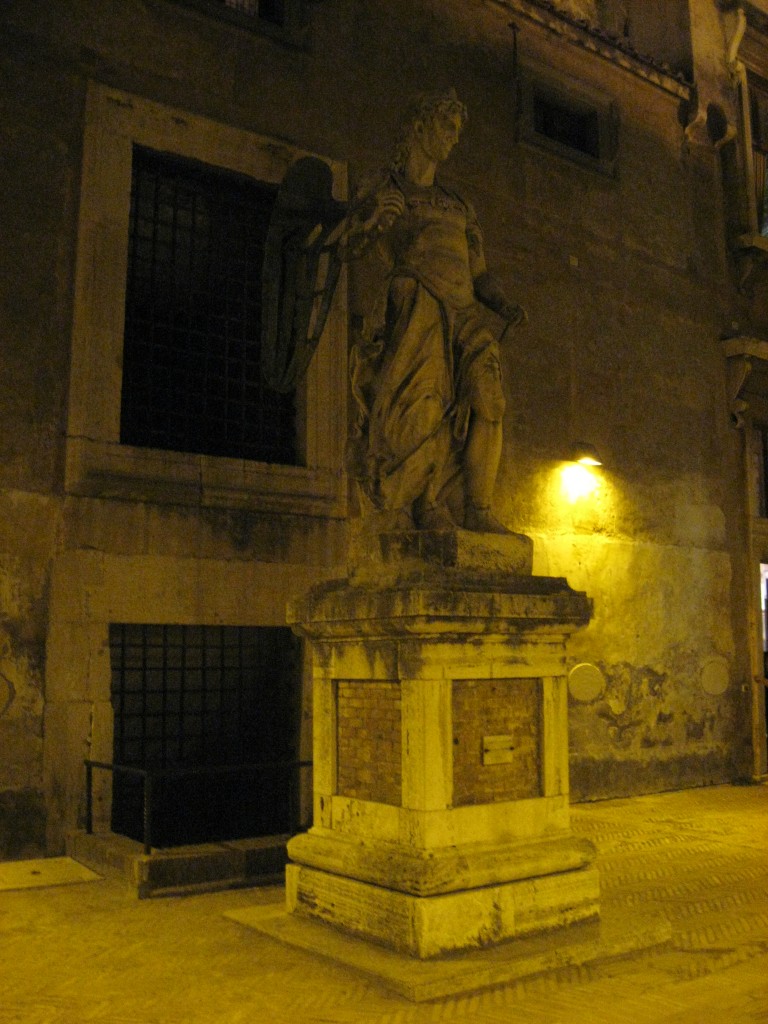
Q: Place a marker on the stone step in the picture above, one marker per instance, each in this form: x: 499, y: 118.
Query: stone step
x: 183, y: 869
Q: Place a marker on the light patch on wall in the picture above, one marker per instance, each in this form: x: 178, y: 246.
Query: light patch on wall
x: 578, y: 482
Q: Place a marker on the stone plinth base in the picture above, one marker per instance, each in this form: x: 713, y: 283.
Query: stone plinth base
x: 441, y: 814
x: 617, y: 934
x: 438, y: 870
x: 426, y: 926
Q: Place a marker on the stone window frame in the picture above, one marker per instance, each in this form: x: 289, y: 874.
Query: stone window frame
x: 536, y: 83
x: 97, y: 464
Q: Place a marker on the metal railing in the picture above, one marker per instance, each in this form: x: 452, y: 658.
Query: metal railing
x: 151, y: 775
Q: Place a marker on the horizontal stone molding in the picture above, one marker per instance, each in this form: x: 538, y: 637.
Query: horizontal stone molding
x: 441, y: 870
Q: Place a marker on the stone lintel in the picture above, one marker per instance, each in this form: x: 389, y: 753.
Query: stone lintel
x: 442, y: 870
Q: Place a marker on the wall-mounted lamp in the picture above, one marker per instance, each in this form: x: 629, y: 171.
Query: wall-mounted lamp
x: 585, y: 454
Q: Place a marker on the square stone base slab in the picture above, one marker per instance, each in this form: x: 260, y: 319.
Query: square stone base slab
x: 617, y: 934
x: 388, y: 557
x: 431, y: 926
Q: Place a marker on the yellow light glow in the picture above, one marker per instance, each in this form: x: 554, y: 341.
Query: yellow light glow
x: 589, y: 460
x: 586, y: 454
x: 578, y: 482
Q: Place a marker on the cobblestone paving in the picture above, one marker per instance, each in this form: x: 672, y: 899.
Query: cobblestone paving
x: 94, y: 954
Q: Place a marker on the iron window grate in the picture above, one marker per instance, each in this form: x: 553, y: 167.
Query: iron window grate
x: 203, y: 695
x: 206, y: 697
x: 191, y: 358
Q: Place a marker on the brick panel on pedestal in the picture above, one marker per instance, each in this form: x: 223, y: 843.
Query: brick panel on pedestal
x: 369, y: 727
x: 502, y: 709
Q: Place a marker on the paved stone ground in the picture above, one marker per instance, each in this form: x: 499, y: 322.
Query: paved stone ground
x: 94, y: 954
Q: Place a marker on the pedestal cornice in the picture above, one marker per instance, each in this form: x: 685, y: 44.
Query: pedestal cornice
x: 463, y: 605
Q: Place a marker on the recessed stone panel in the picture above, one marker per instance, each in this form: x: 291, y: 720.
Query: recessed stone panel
x: 496, y: 740
x: 368, y: 717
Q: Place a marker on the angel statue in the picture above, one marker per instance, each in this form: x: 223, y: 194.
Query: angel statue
x: 425, y: 368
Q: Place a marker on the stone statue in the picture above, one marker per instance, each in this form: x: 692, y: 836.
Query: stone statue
x: 427, y: 379
x: 425, y: 366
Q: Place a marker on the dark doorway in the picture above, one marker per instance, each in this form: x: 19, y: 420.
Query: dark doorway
x: 214, y: 712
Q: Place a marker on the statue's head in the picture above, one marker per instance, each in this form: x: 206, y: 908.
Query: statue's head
x: 421, y: 112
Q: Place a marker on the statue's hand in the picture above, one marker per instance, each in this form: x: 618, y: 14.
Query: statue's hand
x: 514, y: 315
x: 390, y: 204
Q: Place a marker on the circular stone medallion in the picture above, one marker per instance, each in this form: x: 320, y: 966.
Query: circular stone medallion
x: 715, y: 677
x: 586, y: 682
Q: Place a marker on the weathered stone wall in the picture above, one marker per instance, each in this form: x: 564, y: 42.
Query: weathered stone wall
x: 623, y: 278
x: 657, y: 28
x: 627, y: 292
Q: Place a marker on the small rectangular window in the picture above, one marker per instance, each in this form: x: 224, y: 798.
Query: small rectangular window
x: 758, y: 108
x: 269, y: 10
x: 573, y: 122
x: 575, y: 129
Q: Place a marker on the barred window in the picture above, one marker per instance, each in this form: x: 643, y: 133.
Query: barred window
x: 191, y: 356
x: 174, y: 210
x: 206, y: 697
x: 758, y: 105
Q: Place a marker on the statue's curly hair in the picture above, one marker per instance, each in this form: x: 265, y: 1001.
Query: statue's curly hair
x: 423, y: 107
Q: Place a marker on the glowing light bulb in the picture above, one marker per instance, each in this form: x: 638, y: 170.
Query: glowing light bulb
x: 578, y: 481
x: 585, y: 454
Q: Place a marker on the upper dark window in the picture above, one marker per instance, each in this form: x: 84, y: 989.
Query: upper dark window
x: 758, y: 106
x: 576, y: 129
x: 289, y: 19
x: 191, y: 356
x: 569, y: 120
x: 267, y: 10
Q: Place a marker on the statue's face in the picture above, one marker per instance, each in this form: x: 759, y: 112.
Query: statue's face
x: 439, y: 135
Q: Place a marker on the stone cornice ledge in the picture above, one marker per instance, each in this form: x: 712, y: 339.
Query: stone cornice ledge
x: 612, y: 48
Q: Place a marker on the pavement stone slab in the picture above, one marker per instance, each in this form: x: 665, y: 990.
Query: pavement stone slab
x: 92, y: 953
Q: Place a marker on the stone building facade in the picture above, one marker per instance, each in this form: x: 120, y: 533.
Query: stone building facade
x: 615, y: 153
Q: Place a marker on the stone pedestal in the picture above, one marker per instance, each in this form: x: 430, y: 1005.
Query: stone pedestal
x: 441, y: 814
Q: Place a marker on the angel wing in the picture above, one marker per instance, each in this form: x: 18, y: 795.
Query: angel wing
x: 300, y: 272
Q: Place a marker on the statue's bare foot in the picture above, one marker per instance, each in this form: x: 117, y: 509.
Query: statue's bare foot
x: 482, y: 520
